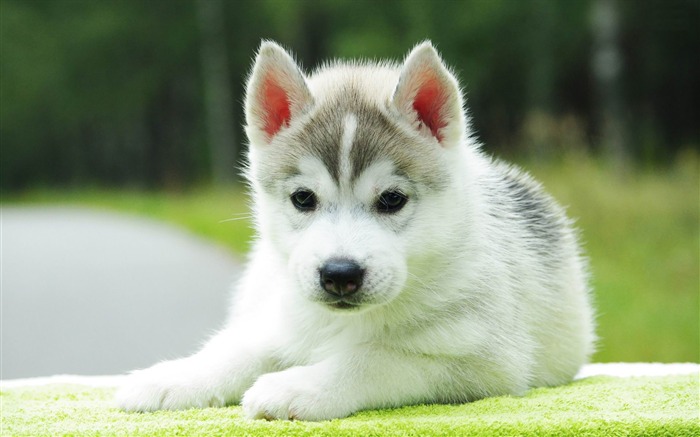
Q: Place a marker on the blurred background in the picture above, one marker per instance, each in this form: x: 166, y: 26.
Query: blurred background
x: 134, y: 107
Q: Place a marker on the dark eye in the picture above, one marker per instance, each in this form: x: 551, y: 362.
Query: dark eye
x: 391, y: 201
x: 304, y: 200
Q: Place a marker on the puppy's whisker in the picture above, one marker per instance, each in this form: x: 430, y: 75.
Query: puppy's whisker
x: 233, y: 219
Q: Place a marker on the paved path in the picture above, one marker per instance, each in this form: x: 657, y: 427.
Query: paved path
x: 89, y: 292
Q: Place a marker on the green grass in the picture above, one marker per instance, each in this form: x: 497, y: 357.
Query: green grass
x: 639, y: 229
x: 597, y: 406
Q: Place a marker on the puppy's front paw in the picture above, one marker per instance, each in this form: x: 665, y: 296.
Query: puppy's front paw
x: 294, y: 394
x: 170, y: 385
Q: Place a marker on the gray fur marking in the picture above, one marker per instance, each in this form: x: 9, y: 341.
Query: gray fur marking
x: 377, y: 137
x: 542, y: 219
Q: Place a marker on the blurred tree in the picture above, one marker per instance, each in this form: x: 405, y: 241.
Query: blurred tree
x: 606, y: 71
x: 110, y: 93
x: 217, y: 90
x: 660, y: 45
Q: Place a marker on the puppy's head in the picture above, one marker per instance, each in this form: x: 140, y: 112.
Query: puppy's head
x: 350, y: 169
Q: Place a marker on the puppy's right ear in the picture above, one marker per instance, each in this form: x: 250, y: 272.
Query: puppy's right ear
x: 276, y: 93
x: 429, y: 96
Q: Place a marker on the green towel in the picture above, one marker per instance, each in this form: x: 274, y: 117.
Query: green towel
x: 593, y: 406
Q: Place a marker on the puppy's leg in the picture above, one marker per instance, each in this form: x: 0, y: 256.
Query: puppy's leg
x: 215, y: 376
x: 353, y: 381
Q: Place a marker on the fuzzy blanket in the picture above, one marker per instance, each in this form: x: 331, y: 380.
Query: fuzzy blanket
x: 606, y: 399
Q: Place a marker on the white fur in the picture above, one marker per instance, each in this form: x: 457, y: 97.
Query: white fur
x: 349, y: 127
x: 458, y: 302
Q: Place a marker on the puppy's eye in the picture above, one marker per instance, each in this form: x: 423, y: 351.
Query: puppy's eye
x: 304, y: 200
x: 391, y: 201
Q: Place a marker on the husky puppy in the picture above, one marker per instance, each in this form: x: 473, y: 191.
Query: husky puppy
x: 395, y: 263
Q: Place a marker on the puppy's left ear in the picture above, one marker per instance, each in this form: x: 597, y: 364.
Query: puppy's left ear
x: 276, y: 93
x: 428, y: 94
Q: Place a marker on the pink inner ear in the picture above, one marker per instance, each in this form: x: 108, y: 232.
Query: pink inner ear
x: 276, y: 107
x: 429, y: 104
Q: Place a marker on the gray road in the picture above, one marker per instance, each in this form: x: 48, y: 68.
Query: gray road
x: 89, y: 292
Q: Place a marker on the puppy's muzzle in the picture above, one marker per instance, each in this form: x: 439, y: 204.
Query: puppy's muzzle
x: 341, y: 277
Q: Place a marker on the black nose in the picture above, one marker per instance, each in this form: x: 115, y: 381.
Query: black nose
x: 341, y: 277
